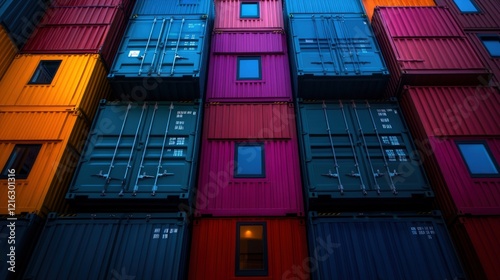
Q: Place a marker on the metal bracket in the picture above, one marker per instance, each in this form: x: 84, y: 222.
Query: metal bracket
x: 330, y: 174
x: 352, y: 174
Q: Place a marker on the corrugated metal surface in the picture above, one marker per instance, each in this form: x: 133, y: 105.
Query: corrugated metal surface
x: 476, y: 240
x: 213, y: 249
x: 20, y: 18
x: 371, y: 4
x: 335, y: 56
x: 81, y: 29
x: 486, y: 18
x: 119, y: 166
x: 323, y: 6
x: 8, y: 50
x: 111, y: 246
x: 79, y: 82
x: 228, y: 16
x: 382, y: 246
x: 249, y: 42
x: 452, y: 111
x: 177, y: 7
x: 492, y: 62
x: 360, y: 153
x: 162, y: 58
x: 25, y: 233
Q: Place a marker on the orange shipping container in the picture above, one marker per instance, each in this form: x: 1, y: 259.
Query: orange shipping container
x: 371, y: 4
x: 7, y: 49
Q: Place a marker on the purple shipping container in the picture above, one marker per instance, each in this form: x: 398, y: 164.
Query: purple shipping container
x: 270, y: 15
x: 490, y: 57
x: 423, y: 46
x: 264, y: 75
x: 479, y: 15
x: 249, y: 162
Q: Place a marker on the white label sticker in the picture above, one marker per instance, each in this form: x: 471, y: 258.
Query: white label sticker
x: 134, y: 53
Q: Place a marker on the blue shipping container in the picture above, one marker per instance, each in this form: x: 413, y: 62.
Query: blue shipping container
x: 335, y: 56
x: 111, y: 246
x: 139, y: 155
x: 323, y: 6
x: 381, y: 246
x: 20, y: 18
x: 162, y: 58
x: 174, y: 7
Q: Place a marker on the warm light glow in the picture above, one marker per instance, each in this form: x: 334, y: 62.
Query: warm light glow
x: 248, y: 234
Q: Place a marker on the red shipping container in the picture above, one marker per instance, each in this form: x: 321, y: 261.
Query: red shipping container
x: 476, y: 240
x: 482, y: 14
x: 264, y: 135
x: 215, y: 246
x: 266, y: 51
x: 270, y: 16
x: 435, y: 53
x: 85, y: 26
x: 492, y: 60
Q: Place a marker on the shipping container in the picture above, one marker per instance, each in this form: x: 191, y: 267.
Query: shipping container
x: 243, y: 171
x: 423, y: 46
x: 20, y: 18
x: 249, y: 248
x: 238, y: 15
x: 43, y: 156
x: 487, y: 46
x: 381, y: 246
x: 8, y: 49
x: 370, y: 5
x: 256, y: 67
x: 476, y: 240
x: 335, y: 56
x: 177, y: 7
x: 139, y: 156
x: 474, y: 14
x: 18, y: 236
x: 359, y: 155
x: 81, y: 28
x: 111, y: 246
x: 296, y: 7
x: 162, y: 58
x: 77, y: 81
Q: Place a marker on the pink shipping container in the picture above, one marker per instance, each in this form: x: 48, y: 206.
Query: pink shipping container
x: 490, y: 59
x: 81, y: 26
x: 423, y: 46
x: 229, y: 16
x: 481, y: 14
x: 269, y: 53
x: 260, y: 135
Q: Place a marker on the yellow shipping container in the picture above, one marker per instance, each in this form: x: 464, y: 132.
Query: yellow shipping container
x: 371, y: 4
x: 7, y: 49
x: 42, y: 144
x: 77, y: 80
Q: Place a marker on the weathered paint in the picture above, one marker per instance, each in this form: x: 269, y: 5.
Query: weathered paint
x: 382, y: 246
x: 275, y: 84
x: 177, y: 7
x: 8, y: 50
x: 486, y: 19
x: 213, y: 249
x: 371, y: 4
x: 228, y: 16
x: 279, y: 192
x: 492, y: 62
x: 323, y: 6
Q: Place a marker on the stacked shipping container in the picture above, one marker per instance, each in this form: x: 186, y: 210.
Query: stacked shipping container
x: 371, y: 4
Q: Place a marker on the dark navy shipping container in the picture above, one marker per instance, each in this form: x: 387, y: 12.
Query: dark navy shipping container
x: 139, y: 155
x: 381, y: 246
x: 359, y: 155
x: 111, y: 246
x: 20, y: 18
x: 162, y: 58
x: 174, y: 7
x: 335, y: 56
x: 293, y: 7
x: 18, y: 235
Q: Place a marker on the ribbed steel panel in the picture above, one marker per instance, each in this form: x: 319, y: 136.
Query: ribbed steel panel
x: 228, y: 16
x: 175, y: 7
x: 213, y: 249
x: 476, y: 240
x: 335, y: 56
x: 323, y: 6
x: 371, y: 4
x: 20, y: 18
x: 382, y: 246
x: 486, y: 18
x: 162, y: 58
x: 275, y: 84
x: 121, y: 164
x: 8, y: 50
x: 492, y: 62
x: 111, y: 246
x: 79, y: 82
x: 360, y: 155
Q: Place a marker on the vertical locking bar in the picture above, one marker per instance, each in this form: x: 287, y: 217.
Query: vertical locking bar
x: 341, y: 188
x: 151, y: 67
x: 176, y: 54
x: 165, y: 43
x: 155, y: 186
x: 147, y: 45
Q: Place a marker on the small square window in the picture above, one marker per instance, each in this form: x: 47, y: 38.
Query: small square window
x: 478, y: 159
x: 45, y: 72
x: 249, y: 161
x: 21, y: 160
x: 466, y: 6
x: 249, y: 68
x: 251, y: 249
x: 249, y: 10
x: 492, y: 44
